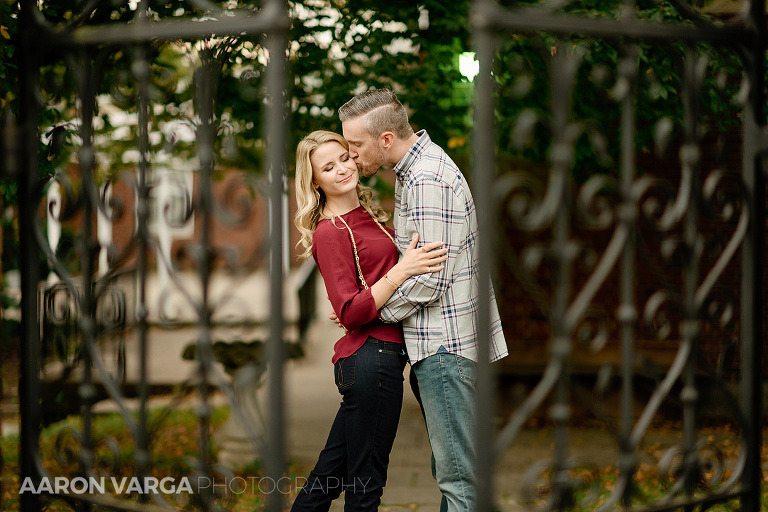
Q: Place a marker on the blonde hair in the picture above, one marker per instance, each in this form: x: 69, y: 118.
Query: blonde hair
x: 311, y: 200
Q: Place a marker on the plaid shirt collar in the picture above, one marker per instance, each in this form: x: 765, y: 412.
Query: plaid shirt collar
x: 404, y: 165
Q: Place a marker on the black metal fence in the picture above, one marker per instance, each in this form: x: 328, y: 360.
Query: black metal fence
x: 542, y: 220
x: 83, y: 197
x: 659, y: 268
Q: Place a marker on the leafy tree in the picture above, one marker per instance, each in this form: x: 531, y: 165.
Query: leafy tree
x: 339, y: 48
x: 8, y: 29
x: 407, y: 46
x: 525, y: 90
x: 8, y: 100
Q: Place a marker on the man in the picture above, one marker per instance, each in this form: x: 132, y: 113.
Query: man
x: 438, y: 310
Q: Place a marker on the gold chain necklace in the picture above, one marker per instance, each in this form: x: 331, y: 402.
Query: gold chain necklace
x: 354, y: 245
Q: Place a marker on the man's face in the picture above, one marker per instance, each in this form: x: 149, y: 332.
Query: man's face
x: 364, y: 149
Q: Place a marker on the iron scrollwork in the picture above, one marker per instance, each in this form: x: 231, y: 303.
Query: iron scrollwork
x: 657, y: 243
x: 128, y: 234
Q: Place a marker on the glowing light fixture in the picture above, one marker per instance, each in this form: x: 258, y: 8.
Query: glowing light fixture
x: 468, y: 66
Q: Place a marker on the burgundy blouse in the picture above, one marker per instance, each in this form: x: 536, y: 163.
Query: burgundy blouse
x: 353, y: 304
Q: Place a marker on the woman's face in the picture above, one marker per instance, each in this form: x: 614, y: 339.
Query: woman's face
x: 333, y: 170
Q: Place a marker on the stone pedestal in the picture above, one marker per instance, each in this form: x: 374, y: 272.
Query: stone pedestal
x: 242, y: 434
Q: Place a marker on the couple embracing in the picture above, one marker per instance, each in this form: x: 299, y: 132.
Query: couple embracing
x: 408, y: 295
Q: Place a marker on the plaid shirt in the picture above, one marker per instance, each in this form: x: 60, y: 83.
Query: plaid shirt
x: 438, y: 310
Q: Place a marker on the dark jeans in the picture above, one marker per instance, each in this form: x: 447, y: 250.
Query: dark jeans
x: 356, y: 454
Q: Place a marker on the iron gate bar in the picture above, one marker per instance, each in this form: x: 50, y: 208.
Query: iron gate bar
x: 86, y: 390
x: 483, y: 168
x: 627, y: 312
x: 205, y: 135
x: 753, y: 249
x: 266, y: 20
x: 276, y: 127
x: 562, y: 78
x: 531, y: 20
x: 141, y: 72
x: 29, y: 385
x: 689, y: 156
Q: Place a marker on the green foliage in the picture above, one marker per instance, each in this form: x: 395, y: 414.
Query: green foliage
x: 339, y: 48
x: 407, y: 46
x: 8, y: 106
x: 175, y: 442
x: 8, y: 67
x: 526, y: 86
x: 366, y: 44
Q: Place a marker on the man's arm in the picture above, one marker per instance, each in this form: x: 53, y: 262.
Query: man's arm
x: 437, y: 213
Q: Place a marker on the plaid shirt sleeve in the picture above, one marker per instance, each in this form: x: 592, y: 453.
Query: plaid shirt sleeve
x: 435, y: 211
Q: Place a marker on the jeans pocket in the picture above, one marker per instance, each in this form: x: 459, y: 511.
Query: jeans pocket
x: 344, y: 371
x: 392, y: 360
x: 467, y: 369
x: 395, y: 349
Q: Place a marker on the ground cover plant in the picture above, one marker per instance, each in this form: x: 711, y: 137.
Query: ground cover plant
x: 176, y: 442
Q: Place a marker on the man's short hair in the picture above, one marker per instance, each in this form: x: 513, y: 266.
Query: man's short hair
x: 382, y: 111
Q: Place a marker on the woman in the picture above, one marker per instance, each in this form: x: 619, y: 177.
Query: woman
x: 342, y: 228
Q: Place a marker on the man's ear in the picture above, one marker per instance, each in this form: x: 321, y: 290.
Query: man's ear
x: 387, y: 139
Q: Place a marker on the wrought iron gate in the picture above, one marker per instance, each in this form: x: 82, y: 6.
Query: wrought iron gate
x: 572, y: 245
x: 618, y: 291
x: 143, y: 199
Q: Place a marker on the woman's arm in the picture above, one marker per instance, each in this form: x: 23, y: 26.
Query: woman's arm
x: 415, y: 261
x: 428, y: 258
x: 354, y: 306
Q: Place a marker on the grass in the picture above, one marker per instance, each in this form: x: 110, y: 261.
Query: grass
x: 176, y: 444
x: 594, y: 486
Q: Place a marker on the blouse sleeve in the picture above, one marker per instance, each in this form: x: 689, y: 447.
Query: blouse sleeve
x: 333, y: 253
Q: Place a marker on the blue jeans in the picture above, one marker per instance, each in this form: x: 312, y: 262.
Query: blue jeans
x: 356, y: 454
x: 444, y: 385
